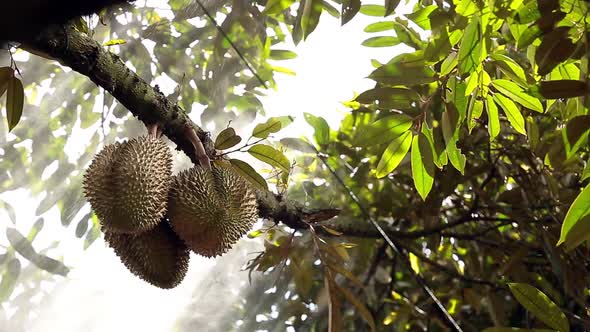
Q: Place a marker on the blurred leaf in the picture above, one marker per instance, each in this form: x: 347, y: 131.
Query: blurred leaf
x: 93, y: 233
x: 403, y: 74
x: 555, y: 48
x: 276, y: 6
x: 393, y: 154
x: 422, y: 165
x: 82, y: 226
x: 322, y: 130
x: 334, y: 306
x: 51, y: 265
x: 360, y: 307
x: 15, y: 95
x: 298, y: 144
x: 578, y: 210
x: 389, y: 98
x: 9, y: 278
x: 20, y: 244
x: 282, y: 55
x: 226, y: 139
x: 247, y: 172
x: 382, y: 130
x: 381, y: 41
x: 37, y: 227
x: 514, y: 329
x: 271, y: 156
x: 10, y: 211
x: 113, y: 42
x: 540, y: 305
x: 563, y: 89
x: 512, y: 113
x: 310, y: 18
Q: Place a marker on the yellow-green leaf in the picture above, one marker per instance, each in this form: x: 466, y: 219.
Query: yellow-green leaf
x: 319, y: 124
x: 393, y: 154
x: 577, y: 211
x: 15, y: 95
x: 226, y: 139
x: 516, y: 93
x: 493, y: 117
x: 262, y: 130
x: 113, y: 42
x: 540, y: 305
x: 422, y: 165
x: 276, y: 6
x: 271, y: 156
x: 512, y: 113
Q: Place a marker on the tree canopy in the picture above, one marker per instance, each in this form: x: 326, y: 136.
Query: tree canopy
x: 454, y: 194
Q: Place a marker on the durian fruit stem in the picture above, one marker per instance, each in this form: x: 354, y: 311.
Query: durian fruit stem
x: 154, y: 130
x: 204, y: 160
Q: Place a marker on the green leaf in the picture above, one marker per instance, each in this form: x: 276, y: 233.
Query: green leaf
x: 226, y: 139
x: 271, y: 156
x: 493, y: 117
x: 509, y: 67
x: 473, y: 113
x: 578, y: 210
x: 586, y: 172
x: 471, y: 47
x: 422, y: 16
x: 276, y: 6
x: 403, y: 74
x: 113, y: 42
x: 393, y: 154
x: 382, y: 130
x: 373, y: 10
x: 9, y: 278
x: 512, y: 113
x: 9, y: 210
x: 319, y: 124
x: 6, y: 73
x: 249, y: 173
x: 540, y: 305
x: 271, y: 126
x: 382, y: 41
x: 20, y: 244
x: 282, y: 55
x: 449, y: 64
x: 51, y: 265
x: 298, y: 144
x: 389, y: 98
x: 82, y: 226
x: 422, y: 165
x: 379, y: 26
x: 516, y: 93
x: 310, y: 18
x: 15, y: 95
x: 390, y: 6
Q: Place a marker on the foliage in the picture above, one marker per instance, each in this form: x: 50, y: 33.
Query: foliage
x: 471, y: 152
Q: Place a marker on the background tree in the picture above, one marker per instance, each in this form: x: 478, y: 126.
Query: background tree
x: 460, y: 179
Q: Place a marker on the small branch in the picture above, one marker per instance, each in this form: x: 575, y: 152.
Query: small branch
x: 204, y: 160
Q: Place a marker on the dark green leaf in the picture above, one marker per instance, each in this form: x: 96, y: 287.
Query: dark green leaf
x: 6, y: 73
x: 248, y: 173
x: 563, y: 89
x: 390, y: 98
x: 349, y: 9
x: 403, y: 74
x: 271, y: 156
x: 390, y: 6
x: 540, y: 305
x: 227, y: 138
x: 15, y: 95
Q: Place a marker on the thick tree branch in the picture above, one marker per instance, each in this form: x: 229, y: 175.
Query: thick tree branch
x: 86, y: 56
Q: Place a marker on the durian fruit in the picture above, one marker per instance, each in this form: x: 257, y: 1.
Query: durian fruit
x: 142, y: 173
x: 98, y: 185
x: 157, y: 256
x: 211, y: 210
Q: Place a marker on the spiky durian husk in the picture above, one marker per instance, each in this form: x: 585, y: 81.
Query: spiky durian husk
x: 211, y: 210
x: 98, y: 184
x: 142, y: 173
x: 157, y: 256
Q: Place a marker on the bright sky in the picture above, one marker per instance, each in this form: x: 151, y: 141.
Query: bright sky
x: 101, y: 295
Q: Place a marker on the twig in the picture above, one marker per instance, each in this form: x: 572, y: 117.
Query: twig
x: 202, y: 157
